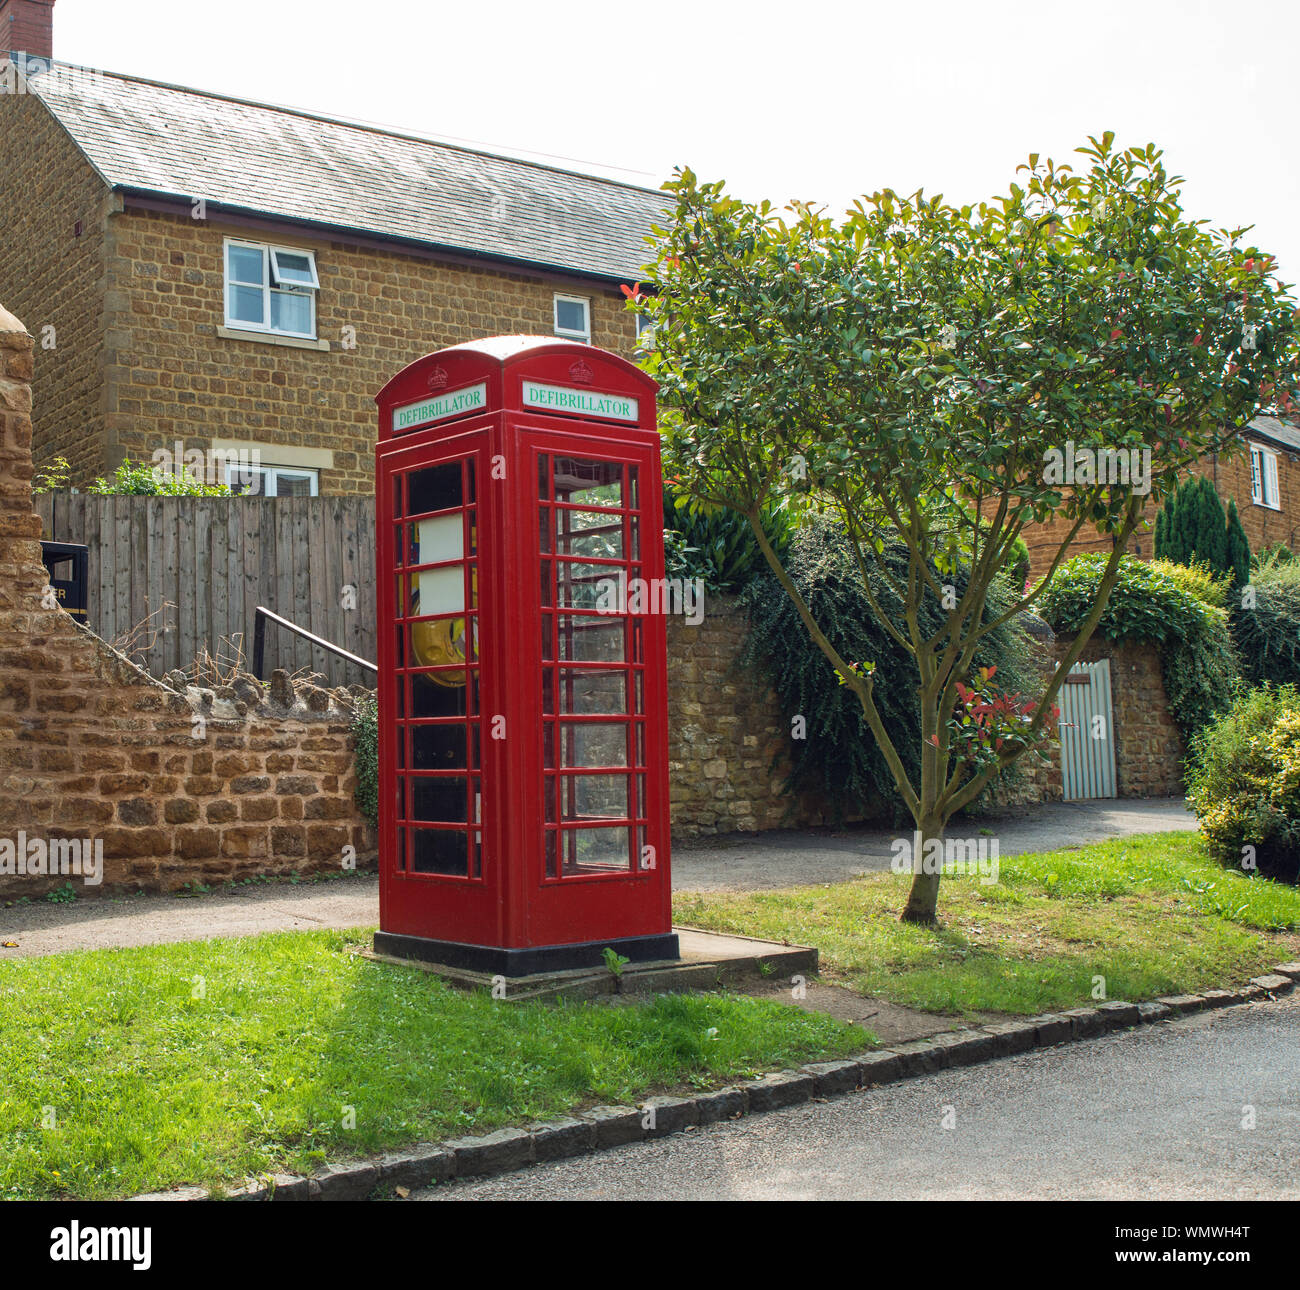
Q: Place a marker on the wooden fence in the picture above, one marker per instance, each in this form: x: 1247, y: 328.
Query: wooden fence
x: 171, y: 577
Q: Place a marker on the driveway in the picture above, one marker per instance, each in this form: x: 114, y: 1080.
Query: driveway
x: 736, y: 862
x: 1160, y: 1111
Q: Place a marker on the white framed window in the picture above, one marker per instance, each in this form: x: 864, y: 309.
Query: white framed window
x: 272, y: 481
x: 271, y: 289
x: 573, y: 318
x: 645, y: 333
x: 1263, y: 478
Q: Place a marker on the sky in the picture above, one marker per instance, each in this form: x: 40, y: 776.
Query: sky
x: 820, y: 101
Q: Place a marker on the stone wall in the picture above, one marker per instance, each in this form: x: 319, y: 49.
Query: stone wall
x: 728, y: 747
x: 178, y: 787
x: 1149, y: 747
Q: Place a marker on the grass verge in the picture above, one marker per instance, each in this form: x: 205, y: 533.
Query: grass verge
x: 1149, y: 915
x: 207, y: 1062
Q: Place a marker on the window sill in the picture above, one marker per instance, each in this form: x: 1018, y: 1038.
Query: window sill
x: 270, y: 338
x: 1267, y: 506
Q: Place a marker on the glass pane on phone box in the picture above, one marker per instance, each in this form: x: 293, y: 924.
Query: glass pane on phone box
x: 595, y: 743
x: 438, y: 747
x: 586, y: 850
x: 592, y: 640
x: 588, y: 483
x: 592, y: 693
x: 438, y: 694
x: 439, y: 851
x: 594, y: 796
x: 435, y: 488
x: 589, y: 535
x: 437, y: 591
x: 591, y: 586
x: 438, y: 800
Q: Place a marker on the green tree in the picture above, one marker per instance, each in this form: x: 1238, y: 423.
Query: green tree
x: 919, y: 372
x: 1210, y: 540
x: 1238, y: 547
x: 1194, y: 528
x: 1168, y: 539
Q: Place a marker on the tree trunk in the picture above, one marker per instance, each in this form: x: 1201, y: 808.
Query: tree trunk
x: 923, y: 899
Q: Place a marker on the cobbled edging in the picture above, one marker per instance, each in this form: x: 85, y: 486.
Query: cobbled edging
x: 602, y: 1127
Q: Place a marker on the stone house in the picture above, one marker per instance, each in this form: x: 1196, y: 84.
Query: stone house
x: 218, y: 274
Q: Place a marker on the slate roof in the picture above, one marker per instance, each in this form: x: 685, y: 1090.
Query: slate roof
x: 167, y: 140
x: 1273, y: 430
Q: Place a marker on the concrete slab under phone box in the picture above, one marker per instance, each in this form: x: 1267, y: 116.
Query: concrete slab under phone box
x: 705, y: 961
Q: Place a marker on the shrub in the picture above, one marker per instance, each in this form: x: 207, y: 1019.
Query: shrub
x: 838, y: 754
x: 1197, y: 580
x: 1275, y: 553
x: 1266, y: 626
x: 1244, y: 782
x: 365, y: 746
x: 52, y: 477
x: 147, y: 481
x: 715, y: 544
x: 1275, y: 565
x: 1018, y: 564
x: 1147, y: 605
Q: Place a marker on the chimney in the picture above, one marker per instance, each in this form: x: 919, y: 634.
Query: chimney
x: 27, y: 27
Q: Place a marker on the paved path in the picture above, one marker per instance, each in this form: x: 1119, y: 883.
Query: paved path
x: 736, y: 862
x: 1155, y: 1112
x: 788, y: 858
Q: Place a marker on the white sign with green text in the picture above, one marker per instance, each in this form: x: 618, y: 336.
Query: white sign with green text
x: 583, y: 403
x: 453, y: 403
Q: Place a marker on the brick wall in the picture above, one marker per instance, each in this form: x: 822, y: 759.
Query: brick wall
x: 1264, y: 526
x: 1230, y: 475
x: 53, y: 278
x: 171, y: 376
x: 27, y: 26
x: 199, y: 786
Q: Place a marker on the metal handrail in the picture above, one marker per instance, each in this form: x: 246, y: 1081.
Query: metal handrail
x: 259, y: 641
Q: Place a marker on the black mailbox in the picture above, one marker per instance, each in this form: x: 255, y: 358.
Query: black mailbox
x: 72, y: 561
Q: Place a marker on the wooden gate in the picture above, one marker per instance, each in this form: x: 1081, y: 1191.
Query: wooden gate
x: 1087, y: 732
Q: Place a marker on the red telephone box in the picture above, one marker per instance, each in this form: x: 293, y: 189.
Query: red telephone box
x: 523, y: 778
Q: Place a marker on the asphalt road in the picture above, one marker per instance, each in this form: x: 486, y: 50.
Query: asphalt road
x: 1155, y: 1113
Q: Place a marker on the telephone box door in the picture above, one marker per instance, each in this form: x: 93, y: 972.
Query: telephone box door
x: 432, y: 710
